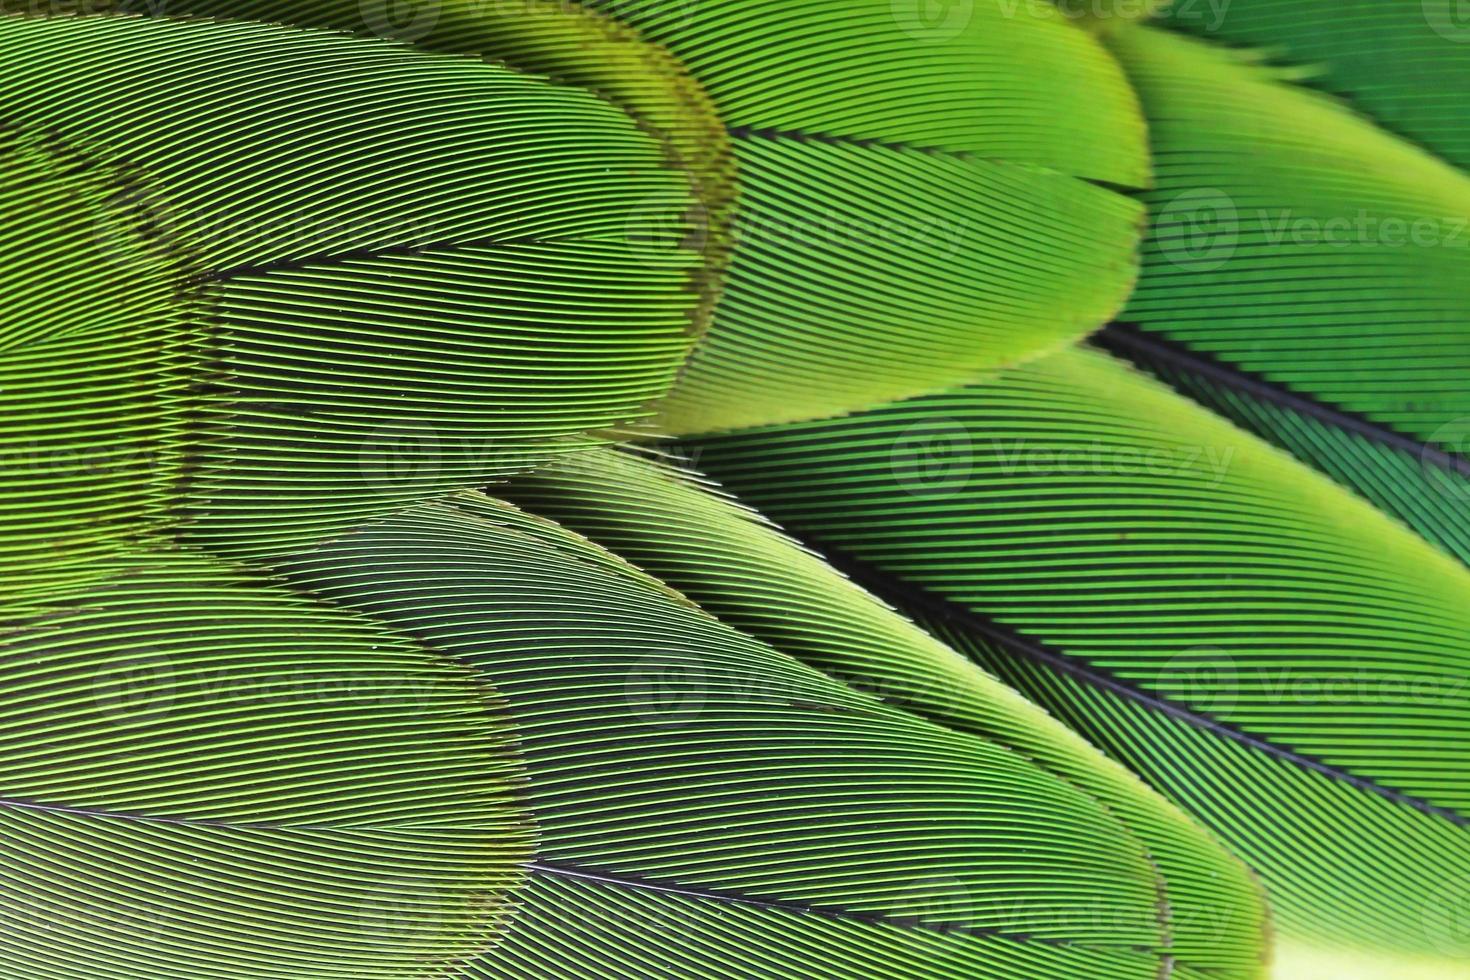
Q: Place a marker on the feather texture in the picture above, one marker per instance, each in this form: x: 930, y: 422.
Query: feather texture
x: 284, y: 698
x: 754, y: 578
x: 1266, y: 649
x: 207, y: 778
x: 683, y: 772
x: 1405, y: 64
x: 1308, y: 276
x: 914, y: 206
x: 88, y: 354
x: 450, y: 227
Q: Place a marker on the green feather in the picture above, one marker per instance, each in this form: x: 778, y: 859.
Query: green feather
x: 1263, y: 647
x: 740, y: 568
x: 1404, y: 62
x: 410, y: 270
x: 207, y: 777
x: 1307, y: 277
x: 691, y: 781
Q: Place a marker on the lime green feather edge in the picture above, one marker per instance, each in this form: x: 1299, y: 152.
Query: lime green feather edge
x: 367, y: 274
x: 88, y: 366
x: 567, y: 44
x: 919, y: 199
x: 1307, y: 276
x: 915, y: 206
x: 1270, y: 652
x: 346, y: 255
x: 208, y: 777
x: 669, y: 522
x: 1405, y: 64
x: 709, y: 805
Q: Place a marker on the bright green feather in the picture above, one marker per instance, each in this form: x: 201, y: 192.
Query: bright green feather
x: 682, y: 772
x: 207, y: 778
x: 1279, y: 658
x: 740, y: 568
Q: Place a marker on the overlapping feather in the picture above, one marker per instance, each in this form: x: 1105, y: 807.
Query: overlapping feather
x: 1271, y: 652
x: 325, y: 264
